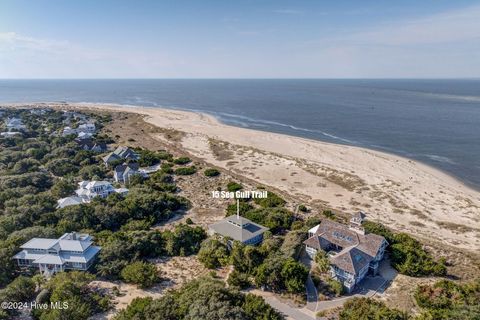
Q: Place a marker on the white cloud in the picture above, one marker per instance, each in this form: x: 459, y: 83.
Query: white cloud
x: 28, y: 57
x: 15, y: 41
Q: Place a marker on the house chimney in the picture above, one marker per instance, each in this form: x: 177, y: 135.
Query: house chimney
x: 73, y: 236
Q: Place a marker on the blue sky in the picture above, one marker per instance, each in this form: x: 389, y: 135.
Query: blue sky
x: 239, y: 39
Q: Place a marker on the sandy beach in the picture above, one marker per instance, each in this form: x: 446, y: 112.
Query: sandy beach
x: 401, y: 193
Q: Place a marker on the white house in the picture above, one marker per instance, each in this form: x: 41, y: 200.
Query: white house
x: 84, y: 131
x: 91, y: 189
x: 14, y: 124
x: 84, y: 135
x: 351, y: 252
x: 70, y: 201
x: 71, y: 251
x: 87, y: 127
x: 38, y: 111
x: 8, y: 134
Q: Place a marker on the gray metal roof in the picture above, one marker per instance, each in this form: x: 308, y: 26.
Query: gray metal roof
x: 65, y: 246
x: 240, y: 229
x: 39, y: 243
x: 50, y: 259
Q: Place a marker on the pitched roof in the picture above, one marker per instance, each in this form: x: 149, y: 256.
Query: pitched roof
x: 70, y: 201
x: 337, y: 233
x: 371, y: 243
x: 359, y: 215
x: 240, y: 229
x: 91, y: 184
x: 133, y: 166
x: 50, y: 259
x: 39, y: 243
x: 351, y: 260
x: 74, y: 245
x: 125, y: 152
x: 357, y: 249
x: 111, y: 157
x: 313, y: 242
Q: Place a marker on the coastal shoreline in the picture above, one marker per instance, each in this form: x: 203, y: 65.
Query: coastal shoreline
x: 404, y: 194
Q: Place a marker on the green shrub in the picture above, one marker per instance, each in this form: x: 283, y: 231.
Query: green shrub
x: 182, y: 160
x: 321, y: 262
x: 166, y: 168
x: 185, y: 171
x: 446, y: 294
x: 213, y: 253
x: 407, y: 254
x: 302, y: 208
x: 367, y: 308
x: 297, y: 225
x: 335, y: 287
x: 272, y: 201
x: 211, y: 172
x: 328, y: 214
x: 234, y: 186
x: 409, y: 257
x: 143, y: 274
x: 238, y: 280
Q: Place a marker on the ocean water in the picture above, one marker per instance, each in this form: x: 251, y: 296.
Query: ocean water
x: 434, y: 121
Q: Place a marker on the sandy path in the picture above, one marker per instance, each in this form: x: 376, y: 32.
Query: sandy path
x: 404, y: 194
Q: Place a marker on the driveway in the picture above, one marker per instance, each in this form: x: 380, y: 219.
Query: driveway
x: 289, y: 311
x: 312, y: 294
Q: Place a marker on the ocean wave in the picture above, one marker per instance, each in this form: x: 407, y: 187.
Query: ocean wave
x: 228, y: 117
x: 438, y: 158
x: 452, y: 96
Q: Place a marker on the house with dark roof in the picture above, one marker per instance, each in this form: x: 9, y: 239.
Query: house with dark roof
x: 90, y: 145
x: 238, y: 228
x: 352, y: 253
x: 120, y: 153
x: 73, y: 251
x: 123, y: 172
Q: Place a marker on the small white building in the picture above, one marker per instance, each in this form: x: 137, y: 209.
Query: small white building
x: 91, y: 189
x: 72, y: 251
x: 38, y: 111
x: 87, y: 127
x: 10, y: 134
x: 14, y: 124
x: 70, y: 201
x: 84, y: 131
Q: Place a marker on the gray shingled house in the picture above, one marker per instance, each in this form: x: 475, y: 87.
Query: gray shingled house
x: 352, y: 253
x: 238, y: 228
x: 119, y: 154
